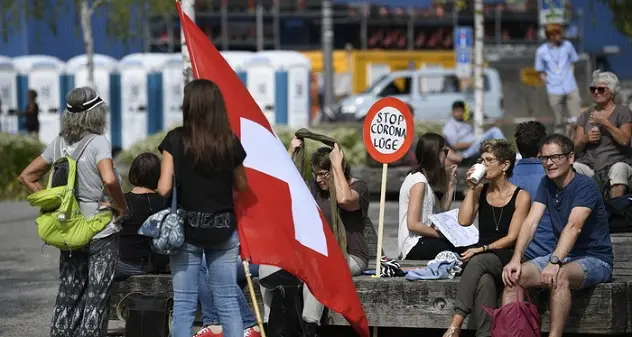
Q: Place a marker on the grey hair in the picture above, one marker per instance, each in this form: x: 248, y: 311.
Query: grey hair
x: 74, y: 126
x: 609, y: 79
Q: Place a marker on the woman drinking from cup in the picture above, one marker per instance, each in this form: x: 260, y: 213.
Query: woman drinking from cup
x: 503, y: 207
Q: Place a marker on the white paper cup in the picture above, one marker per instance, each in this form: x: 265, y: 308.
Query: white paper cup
x: 479, y: 173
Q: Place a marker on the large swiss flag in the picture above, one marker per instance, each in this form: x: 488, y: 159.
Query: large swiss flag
x: 279, y: 221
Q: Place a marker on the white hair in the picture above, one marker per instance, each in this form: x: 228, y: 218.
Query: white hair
x: 609, y: 79
x: 75, y: 126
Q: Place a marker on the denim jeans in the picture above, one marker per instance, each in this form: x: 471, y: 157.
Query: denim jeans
x: 222, y: 276
x: 474, y: 149
x: 595, y: 270
x: 209, y: 310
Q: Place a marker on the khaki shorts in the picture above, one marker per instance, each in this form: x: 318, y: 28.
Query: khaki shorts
x: 565, y: 106
x: 619, y: 173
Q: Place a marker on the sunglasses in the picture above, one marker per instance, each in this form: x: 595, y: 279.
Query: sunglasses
x: 599, y: 90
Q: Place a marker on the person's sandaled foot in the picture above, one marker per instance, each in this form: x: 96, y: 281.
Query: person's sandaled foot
x: 452, y: 332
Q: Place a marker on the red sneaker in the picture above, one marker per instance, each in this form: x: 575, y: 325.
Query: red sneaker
x: 207, y: 332
x: 252, y: 331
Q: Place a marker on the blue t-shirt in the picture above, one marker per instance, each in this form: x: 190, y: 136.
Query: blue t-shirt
x: 527, y: 174
x: 582, y: 191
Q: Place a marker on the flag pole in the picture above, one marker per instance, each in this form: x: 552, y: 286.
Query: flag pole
x: 251, y: 290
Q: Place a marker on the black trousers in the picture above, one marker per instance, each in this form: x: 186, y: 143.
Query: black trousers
x: 428, y: 248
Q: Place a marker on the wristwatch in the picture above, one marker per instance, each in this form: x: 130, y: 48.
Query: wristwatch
x: 555, y: 260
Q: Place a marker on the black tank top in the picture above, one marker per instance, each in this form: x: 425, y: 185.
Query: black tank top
x: 493, y: 222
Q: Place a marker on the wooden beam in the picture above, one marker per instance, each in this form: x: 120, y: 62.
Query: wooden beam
x: 396, y: 302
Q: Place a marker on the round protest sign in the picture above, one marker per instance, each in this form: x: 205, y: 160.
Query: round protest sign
x: 388, y: 130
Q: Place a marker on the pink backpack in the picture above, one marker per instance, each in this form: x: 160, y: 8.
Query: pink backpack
x: 517, y: 319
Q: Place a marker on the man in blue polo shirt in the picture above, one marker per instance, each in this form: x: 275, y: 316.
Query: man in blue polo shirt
x: 583, y: 254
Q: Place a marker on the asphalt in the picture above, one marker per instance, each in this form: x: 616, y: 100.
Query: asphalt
x: 28, y: 270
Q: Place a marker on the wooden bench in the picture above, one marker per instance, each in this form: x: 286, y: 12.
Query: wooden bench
x: 398, y: 303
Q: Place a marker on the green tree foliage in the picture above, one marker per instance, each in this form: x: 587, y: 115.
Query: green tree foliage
x: 621, y: 15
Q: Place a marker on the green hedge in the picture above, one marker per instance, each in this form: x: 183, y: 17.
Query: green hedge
x: 349, y: 137
x: 17, y: 152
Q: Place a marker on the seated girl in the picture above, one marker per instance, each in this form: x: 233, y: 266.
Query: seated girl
x: 417, y: 238
x: 501, y: 208
x: 135, y: 255
x: 347, y: 215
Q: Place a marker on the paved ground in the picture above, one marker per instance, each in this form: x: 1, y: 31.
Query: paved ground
x: 28, y: 272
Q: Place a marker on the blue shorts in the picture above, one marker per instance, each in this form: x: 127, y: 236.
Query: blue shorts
x: 595, y: 271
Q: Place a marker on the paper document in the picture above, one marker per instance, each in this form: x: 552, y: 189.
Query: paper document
x: 448, y: 224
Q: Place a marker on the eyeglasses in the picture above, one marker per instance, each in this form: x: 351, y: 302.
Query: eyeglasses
x: 555, y: 158
x: 321, y: 175
x: 488, y: 161
x: 599, y: 90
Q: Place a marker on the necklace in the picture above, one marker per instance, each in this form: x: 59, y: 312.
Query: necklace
x: 497, y: 222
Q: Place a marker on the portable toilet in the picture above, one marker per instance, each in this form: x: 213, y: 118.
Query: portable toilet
x: 172, y: 91
x: 134, y: 71
x: 43, y: 74
x: 279, y: 82
x: 8, y: 96
x: 105, y: 77
x: 237, y: 61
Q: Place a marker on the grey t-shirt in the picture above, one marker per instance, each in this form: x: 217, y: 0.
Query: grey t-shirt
x: 89, y: 185
x: 607, y: 152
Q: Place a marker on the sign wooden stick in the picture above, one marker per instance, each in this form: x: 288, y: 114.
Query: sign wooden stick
x: 380, y: 224
x: 388, y: 132
x: 251, y: 290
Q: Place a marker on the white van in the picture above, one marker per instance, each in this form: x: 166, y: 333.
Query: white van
x: 428, y: 92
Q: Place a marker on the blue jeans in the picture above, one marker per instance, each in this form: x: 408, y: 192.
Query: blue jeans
x: 474, y: 149
x: 209, y: 310
x: 595, y: 270
x: 222, y: 276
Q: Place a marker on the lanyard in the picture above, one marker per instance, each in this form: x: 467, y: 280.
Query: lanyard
x: 556, y: 61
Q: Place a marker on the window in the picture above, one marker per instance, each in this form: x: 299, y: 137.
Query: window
x: 398, y: 86
x: 447, y: 84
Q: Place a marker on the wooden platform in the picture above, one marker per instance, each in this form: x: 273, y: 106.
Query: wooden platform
x: 398, y: 303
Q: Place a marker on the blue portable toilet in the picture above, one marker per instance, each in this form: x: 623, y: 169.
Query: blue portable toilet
x: 8, y: 96
x: 237, y: 61
x: 105, y: 77
x: 135, y: 70
x: 42, y: 73
x: 279, y: 81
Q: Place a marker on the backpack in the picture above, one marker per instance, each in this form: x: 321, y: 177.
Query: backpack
x: 517, y: 319
x: 61, y: 223
x: 619, y: 213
